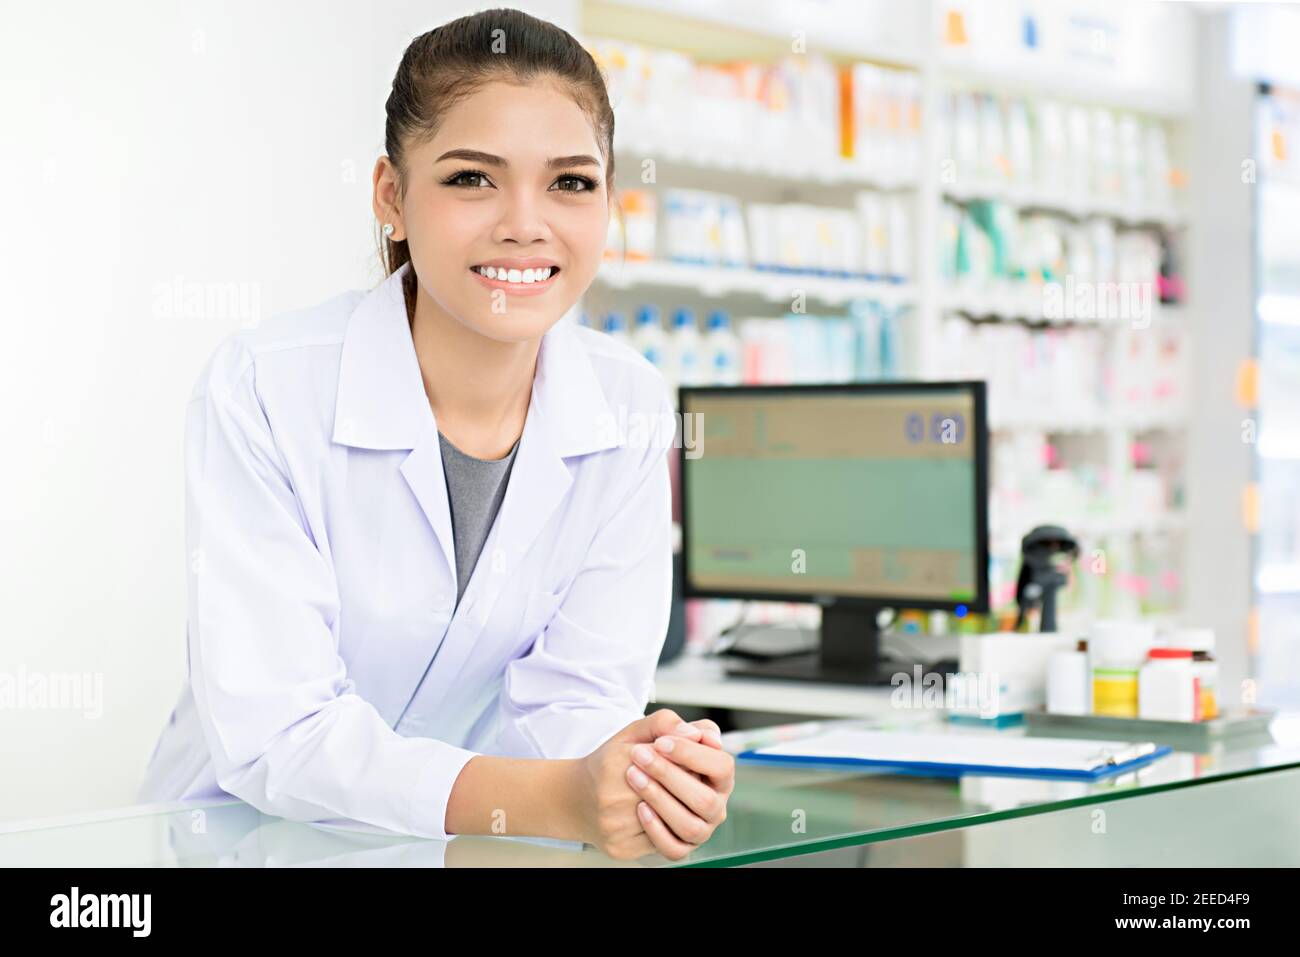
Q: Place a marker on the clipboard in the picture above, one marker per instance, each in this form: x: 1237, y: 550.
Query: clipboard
x: 952, y: 755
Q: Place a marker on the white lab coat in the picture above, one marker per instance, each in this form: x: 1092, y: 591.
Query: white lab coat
x: 328, y: 677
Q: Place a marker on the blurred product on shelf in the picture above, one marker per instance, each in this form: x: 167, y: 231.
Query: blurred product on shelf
x: 803, y: 348
x: 722, y: 350
x: 871, y: 241
x: 1070, y: 377
x: 795, y: 348
x: 798, y: 113
x: 877, y: 336
x: 632, y: 227
x: 685, y: 363
x: 648, y: 337
x: 1278, y: 134
x: 703, y: 228
x: 616, y: 325
x: 1053, y: 155
x: 1042, y: 265
x: 1173, y: 290
x: 880, y: 117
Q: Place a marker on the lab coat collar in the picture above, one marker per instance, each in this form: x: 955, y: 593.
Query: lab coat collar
x: 381, y: 402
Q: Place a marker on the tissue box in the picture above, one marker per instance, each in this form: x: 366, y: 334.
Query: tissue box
x: 1003, y: 674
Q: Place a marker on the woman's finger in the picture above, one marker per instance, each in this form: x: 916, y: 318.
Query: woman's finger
x: 694, y: 756
x: 683, y: 822
x: 699, y: 796
x: 721, y: 775
x: 712, y: 733
x: 665, y: 841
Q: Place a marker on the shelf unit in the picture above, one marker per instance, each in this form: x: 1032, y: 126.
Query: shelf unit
x: 819, y: 171
x: 716, y: 282
x: 1159, y: 86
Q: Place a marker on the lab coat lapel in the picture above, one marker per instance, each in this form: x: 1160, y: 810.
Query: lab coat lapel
x: 423, y: 472
x: 568, y: 416
x: 539, y: 479
x: 538, y: 482
x: 382, y: 404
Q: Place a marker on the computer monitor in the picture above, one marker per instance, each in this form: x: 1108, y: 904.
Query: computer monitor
x: 857, y: 497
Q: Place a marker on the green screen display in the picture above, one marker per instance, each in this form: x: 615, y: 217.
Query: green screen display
x: 861, y: 494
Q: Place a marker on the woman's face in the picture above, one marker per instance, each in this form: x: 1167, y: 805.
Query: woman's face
x: 513, y: 181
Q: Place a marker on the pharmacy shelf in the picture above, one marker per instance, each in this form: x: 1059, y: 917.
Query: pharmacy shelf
x: 959, y: 72
x: 1137, y: 525
x: 881, y: 31
x: 757, y: 163
x: 1157, y: 84
x: 718, y: 282
x: 1090, y: 528
x: 1023, y: 301
x: 1129, y: 212
x: 1086, y: 424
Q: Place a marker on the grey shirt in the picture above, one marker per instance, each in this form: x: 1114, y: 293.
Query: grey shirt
x: 475, y: 490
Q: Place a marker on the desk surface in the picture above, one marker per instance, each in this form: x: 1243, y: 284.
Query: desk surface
x: 694, y: 679
x: 774, y: 813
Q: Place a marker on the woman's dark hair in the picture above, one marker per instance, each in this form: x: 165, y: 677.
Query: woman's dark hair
x: 449, y: 63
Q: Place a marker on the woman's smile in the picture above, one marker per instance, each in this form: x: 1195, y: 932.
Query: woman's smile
x: 518, y: 277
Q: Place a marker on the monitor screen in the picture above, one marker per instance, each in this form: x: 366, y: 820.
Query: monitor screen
x: 873, y: 491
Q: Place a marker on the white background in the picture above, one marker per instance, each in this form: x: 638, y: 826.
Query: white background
x: 146, y: 146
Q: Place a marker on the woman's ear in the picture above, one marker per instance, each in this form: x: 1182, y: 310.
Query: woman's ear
x: 386, y: 198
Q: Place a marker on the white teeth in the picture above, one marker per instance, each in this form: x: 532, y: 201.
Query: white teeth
x: 522, y: 276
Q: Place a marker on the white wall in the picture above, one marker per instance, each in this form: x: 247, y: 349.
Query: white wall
x: 205, y: 147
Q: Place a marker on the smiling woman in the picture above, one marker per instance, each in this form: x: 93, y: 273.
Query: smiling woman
x: 431, y: 583
x: 504, y: 145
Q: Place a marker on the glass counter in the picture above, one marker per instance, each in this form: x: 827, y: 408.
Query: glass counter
x: 1237, y: 802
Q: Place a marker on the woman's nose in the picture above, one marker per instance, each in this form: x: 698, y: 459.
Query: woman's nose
x: 522, y: 221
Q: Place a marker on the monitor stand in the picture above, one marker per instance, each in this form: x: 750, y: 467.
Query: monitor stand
x: 849, y: 654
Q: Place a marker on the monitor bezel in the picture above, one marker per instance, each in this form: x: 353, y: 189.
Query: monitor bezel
x: 977, y: 389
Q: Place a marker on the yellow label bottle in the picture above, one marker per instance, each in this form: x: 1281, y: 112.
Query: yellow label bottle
x: 1115, y: 692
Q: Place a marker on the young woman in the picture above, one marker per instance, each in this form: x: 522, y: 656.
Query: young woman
x: 429, y: 525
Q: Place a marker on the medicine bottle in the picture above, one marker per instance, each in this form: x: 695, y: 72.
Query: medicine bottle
x: 1117, y: 651
x: 1167, y: 688
x: 1204, y: 666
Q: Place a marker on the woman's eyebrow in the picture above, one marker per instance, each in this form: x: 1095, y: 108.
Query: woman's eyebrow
x: 488, y: 159
x: 578, y: 159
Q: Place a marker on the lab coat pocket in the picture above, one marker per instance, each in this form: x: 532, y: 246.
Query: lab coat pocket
x: 538, y: 612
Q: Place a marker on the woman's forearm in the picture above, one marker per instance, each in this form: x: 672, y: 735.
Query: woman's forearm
x: 524, y: 797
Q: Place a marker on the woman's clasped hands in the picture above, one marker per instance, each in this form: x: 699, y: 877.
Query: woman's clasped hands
x: 661, y: 784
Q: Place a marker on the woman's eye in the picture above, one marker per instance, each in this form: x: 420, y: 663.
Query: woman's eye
x: 470, y: 179
x: 575, y: 184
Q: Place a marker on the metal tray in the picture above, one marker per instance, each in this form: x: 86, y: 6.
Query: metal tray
x: 1234, y: 725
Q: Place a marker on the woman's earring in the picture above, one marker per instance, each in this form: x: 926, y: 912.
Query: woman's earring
x: 388, y: 230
